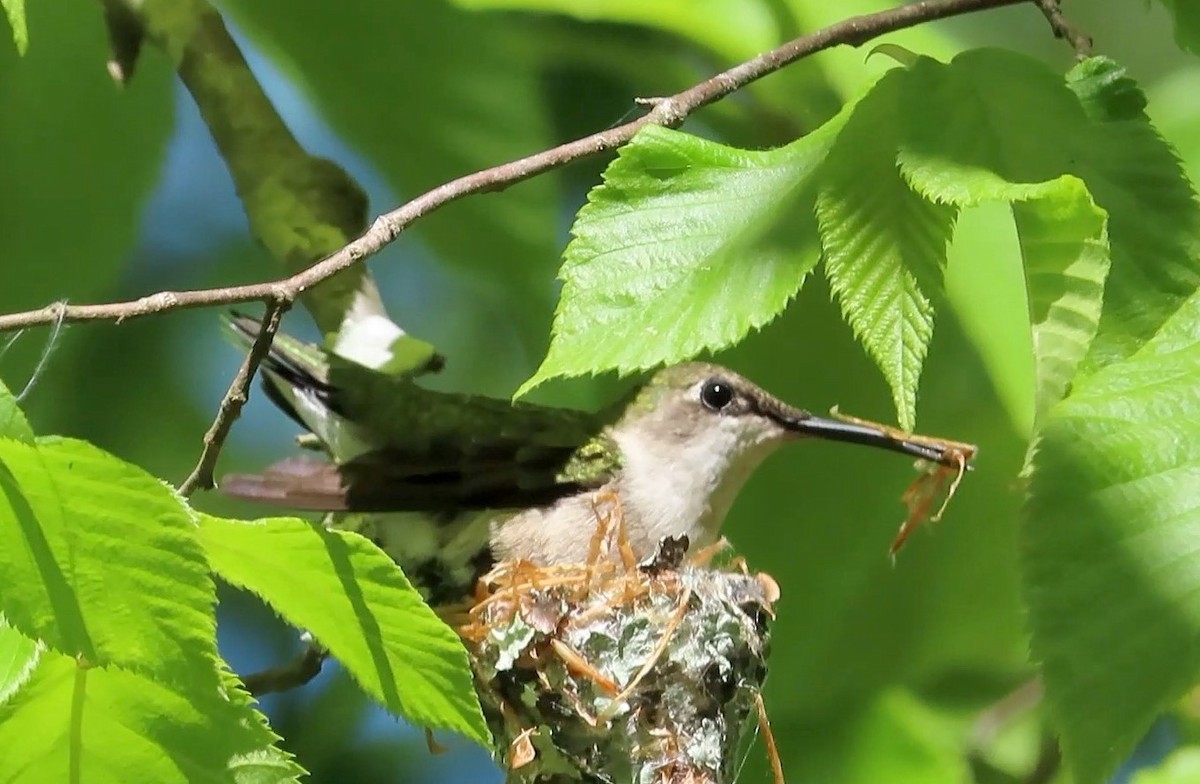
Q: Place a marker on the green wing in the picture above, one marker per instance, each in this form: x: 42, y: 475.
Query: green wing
x: 436, y: 450
x: 400, y: 447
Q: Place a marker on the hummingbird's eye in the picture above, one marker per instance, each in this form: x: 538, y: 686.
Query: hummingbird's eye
x: 716, y: 394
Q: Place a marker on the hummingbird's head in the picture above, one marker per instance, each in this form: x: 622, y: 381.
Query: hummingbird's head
x: 699, y: 404
x: 688, y: 441
x: 694, y: 433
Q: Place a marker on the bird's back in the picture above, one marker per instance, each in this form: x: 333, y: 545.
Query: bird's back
x: 396, y: 446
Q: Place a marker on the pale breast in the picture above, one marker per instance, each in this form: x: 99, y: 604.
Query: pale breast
x: 561, y: 533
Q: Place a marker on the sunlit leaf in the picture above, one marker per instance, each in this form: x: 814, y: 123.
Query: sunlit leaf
x: 15, y: 11
x: 255, y: 758
x: 12, y: 421
x: 849, y: 68
x: 106, y: 724
x: 884, y: 244
x: 687, y: 246
x: 963, y: 143
x: 359, y: 605
x: 18, y: 656
x: 985, y: 287
x: 1096, y: 131
x: 1095, y: 556
x: 99, y: 560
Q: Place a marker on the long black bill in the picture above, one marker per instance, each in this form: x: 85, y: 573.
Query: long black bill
x: 948, y: 453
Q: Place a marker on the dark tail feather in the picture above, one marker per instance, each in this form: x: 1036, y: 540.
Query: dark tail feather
x: 285, y: 362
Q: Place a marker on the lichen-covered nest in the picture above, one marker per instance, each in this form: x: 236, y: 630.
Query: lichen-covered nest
x: 638, y: 674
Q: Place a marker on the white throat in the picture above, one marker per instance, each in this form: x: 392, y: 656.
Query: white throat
x: 674, y: 486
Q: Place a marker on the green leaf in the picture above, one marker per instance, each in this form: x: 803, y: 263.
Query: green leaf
x: 982, y: 149
x: 18, y: 656
x: 1064, y: 247
x: 962, y: 144
x: 1093, y: 129
x: 12, y: 420
x: 72, y: 723
x: 963, y: 141
x: 681, y: 250
x: 1064, y: 242
x: 885, y: 245
x: 359, y: 605
x: 1154, y: 219
x: 1111, y: 569
x: 15, y: 11
x: 255, y: 758
x: 99, y: 560
x: 1187, y: 23
x: 1108, y: 570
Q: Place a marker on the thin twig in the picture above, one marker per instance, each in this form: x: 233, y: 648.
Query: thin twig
x: 231, y: 405
x: 1063, y: 28
x: 289, y: 675
x: 300, y: 207
x: 668, y: 112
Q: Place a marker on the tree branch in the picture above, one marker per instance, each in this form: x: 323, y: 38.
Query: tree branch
x: 1063, y: 28
x: 669, y: 112
x: 230, y: 409
x: 299, y: 206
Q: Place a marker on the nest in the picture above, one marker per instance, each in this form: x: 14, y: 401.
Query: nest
x: 619, y: 672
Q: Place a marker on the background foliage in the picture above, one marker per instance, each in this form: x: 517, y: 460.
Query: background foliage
x: 1050, y: 188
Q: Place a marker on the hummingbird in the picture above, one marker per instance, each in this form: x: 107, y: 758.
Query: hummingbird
x: 448, y: 484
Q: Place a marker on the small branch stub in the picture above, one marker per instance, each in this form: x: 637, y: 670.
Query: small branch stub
x: 1063, y: 28
x: 599, y: 673
x: 230, y: 409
